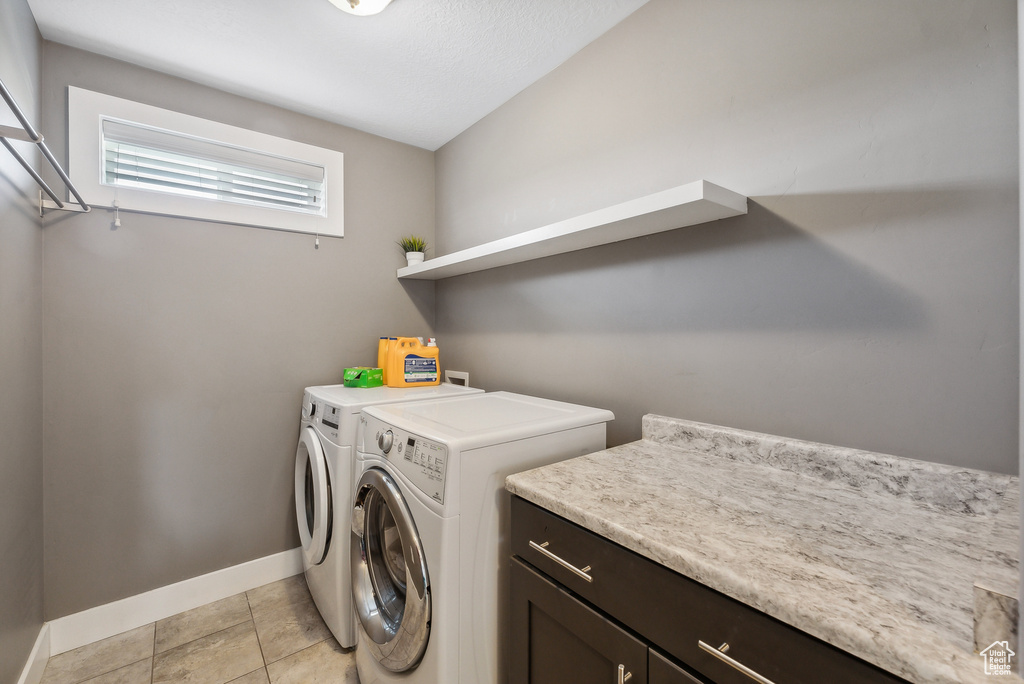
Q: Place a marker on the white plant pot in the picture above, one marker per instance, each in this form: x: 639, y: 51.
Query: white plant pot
x: 414, y: 258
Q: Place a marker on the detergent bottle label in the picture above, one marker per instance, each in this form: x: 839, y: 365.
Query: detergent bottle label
x: 420, y: 369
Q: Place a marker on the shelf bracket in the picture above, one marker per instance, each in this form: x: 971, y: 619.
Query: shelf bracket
x: 45, y: 204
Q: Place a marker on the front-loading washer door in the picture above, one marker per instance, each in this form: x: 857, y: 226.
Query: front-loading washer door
x: 390, y: 584
x: 314, y: 504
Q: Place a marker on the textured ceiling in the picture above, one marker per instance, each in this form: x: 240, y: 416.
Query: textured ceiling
x: 421, y: 72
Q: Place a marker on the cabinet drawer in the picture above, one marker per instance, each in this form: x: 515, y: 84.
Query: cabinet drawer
x: 676, y: 613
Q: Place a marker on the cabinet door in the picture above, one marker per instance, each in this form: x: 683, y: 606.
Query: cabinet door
x: 663, y: 671
x: 557, y: 639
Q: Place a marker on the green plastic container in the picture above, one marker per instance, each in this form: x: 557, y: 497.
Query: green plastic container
x: 363, y: 376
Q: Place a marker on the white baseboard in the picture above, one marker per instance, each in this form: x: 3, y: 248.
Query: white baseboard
x: 33, y: 672
x: 79, y: 629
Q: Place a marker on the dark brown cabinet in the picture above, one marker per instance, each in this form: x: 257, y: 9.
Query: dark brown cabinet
x: 567, y: 640
x: 661, y: 670
x: 581, y: 606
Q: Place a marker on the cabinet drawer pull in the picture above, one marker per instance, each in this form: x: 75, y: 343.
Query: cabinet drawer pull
x: 735, y: 664
x: 623, y: 675
x: 565, y: 564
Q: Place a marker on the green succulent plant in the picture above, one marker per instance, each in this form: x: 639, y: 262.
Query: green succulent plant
x: 413, y: 244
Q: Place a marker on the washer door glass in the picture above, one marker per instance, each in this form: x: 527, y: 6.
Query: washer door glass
x: 314, y: 505
x: 390, y: 584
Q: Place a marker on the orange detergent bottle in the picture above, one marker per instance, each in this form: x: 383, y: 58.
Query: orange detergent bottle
x: 412, y: 363
x: 382, y: 355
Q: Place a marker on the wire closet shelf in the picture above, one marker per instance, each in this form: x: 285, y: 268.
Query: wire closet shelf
x: 28, y: 133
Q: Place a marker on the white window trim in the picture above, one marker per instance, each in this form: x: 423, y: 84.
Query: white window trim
x: 85, y: 156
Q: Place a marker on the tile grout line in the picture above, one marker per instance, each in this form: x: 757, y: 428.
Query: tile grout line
x: 259, y: 642
x: 259, y: 639
x: 103, y: 674
x: 152, y: 659
x: 205, y: 636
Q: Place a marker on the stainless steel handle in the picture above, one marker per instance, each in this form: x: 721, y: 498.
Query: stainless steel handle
x: 623, y: 675
x: 581, y: 572
x: 735, y: 664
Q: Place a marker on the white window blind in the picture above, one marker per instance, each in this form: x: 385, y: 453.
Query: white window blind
x: 138, y: 156
x: 151, y: 160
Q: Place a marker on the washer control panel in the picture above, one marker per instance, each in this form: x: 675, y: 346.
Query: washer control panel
x: 423, y: 461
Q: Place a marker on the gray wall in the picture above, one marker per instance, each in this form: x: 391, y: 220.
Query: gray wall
x: 1020, y: 407
x: 21, y: 370
x: 869, y: 299
x: 176, y: 351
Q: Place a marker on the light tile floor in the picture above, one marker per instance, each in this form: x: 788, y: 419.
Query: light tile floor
x: 270, y: 635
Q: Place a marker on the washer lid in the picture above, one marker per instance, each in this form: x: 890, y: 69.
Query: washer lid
x: 483, y: 419
x: 357, y: 397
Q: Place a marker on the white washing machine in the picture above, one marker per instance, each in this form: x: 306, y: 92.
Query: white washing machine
x: 430, y: 523
x: 324, y: 462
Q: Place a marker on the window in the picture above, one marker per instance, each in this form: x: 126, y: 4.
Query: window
x: 139, y: 157
x: 156, y: 161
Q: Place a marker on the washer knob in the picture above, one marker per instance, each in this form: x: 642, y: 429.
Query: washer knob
x: 385, y: 441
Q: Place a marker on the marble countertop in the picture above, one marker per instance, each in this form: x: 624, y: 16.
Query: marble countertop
x: 875, y: 554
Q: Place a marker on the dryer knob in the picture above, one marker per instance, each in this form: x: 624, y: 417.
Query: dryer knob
x: 385, y: 441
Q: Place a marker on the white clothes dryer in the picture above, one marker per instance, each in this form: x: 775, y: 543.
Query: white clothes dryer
x: 324, y: 462
x: 430, y: 548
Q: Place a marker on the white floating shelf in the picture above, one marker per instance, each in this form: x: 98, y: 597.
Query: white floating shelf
x: 686, y: 205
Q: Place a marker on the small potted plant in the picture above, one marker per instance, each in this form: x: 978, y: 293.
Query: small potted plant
x: 414, y: 247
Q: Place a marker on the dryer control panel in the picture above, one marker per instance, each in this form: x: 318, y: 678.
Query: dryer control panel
x: 329, y: 417
x: 423, y: 461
